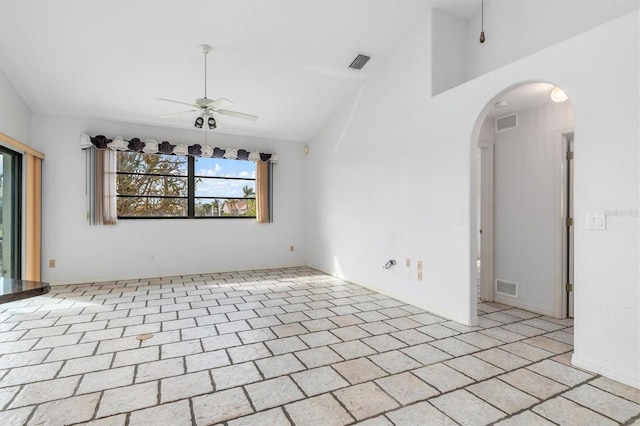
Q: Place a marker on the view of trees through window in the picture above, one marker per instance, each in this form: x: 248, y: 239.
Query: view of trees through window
x: 155, y: 185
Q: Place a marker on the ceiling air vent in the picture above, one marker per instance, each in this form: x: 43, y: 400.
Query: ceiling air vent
x: 360, y: 61
x: 508, y: 122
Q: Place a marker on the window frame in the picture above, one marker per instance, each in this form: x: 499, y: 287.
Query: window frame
x: 191, y: 189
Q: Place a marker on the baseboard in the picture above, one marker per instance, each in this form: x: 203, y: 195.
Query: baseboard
x: 431, y: 309
x: 625, y: 377
x: 99, y: 281
x: 514, y: 302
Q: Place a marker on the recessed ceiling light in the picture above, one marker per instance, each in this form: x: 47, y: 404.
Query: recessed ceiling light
x: 558, y: 95
x: 501, y: 104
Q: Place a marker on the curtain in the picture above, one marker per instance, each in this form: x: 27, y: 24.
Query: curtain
x: 263, y: 192
x: 102, y: 171
x: 101, y: 187
x: 109, y: 204
x: 150, y: 146
x: 33, y: 217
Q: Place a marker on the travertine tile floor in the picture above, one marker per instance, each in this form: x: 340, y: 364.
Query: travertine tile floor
x: 286, y: 346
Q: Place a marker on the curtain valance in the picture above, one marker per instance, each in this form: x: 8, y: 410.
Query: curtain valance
x: 150, y: 146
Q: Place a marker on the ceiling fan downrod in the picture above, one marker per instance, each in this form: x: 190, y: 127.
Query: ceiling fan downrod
x: 205, y: 48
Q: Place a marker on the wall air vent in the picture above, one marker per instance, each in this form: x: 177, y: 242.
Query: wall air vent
x: 360, y: 61
x: 508, y: 122
x: 506, y: 288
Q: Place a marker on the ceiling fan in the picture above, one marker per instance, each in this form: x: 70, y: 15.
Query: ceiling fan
x: 207, y: 108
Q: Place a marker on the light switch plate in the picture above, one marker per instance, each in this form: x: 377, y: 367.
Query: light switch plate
x: 597, y: 222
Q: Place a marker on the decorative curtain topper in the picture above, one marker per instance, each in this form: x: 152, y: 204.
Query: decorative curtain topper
x: 150, y: 146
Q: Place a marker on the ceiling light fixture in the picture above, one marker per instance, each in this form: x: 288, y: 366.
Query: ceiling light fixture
x: 211, y: 122
x: 206, y: 107
x: 558, y: 95
x: 482, y: 22
x: 501, y: 104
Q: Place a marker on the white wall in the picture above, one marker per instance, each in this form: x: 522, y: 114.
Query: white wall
x: 448, y: 50
x: 85, y: 253
x: 526, y: 207
x: 391, y: 179
x: 515, y: 29
x: 380, y: 175
x: 15, y: 115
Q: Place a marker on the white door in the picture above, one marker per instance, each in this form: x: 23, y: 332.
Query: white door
x: 569, y: 235
x: 486, y: 221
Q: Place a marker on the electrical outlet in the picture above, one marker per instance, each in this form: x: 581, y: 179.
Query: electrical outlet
x: 407, y: 270
x: 291, y: 248
x: 52, y: 263
x: 419, y: 265
x: 419, y: 275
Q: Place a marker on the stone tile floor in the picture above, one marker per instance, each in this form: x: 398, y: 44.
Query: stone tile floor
x: 286, y: 346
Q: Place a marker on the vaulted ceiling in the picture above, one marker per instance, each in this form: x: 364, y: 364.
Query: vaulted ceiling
x: 283, y: 60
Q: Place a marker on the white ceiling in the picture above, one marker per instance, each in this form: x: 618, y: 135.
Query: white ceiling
x: 283, y: 60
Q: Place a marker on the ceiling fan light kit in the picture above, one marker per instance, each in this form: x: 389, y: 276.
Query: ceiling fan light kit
x: 207, y: 108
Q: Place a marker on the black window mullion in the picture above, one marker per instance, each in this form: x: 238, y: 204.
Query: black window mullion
x: 175, y: 197
x: 151, y: 174
x: 191, y: 187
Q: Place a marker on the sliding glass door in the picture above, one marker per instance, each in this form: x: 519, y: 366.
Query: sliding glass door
x: 10, y: 212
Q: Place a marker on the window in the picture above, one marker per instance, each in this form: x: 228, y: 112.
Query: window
x: 170, y: 186
x: 224, y: 187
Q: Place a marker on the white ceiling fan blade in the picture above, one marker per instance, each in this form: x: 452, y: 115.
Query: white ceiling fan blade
x: 238, y: 114
x: 178, y: 113
x: 213, y: 103
x: 219, y: 103
x: 178, y: 102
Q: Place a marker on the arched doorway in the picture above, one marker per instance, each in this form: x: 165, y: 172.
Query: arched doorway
x: 523, y: 198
